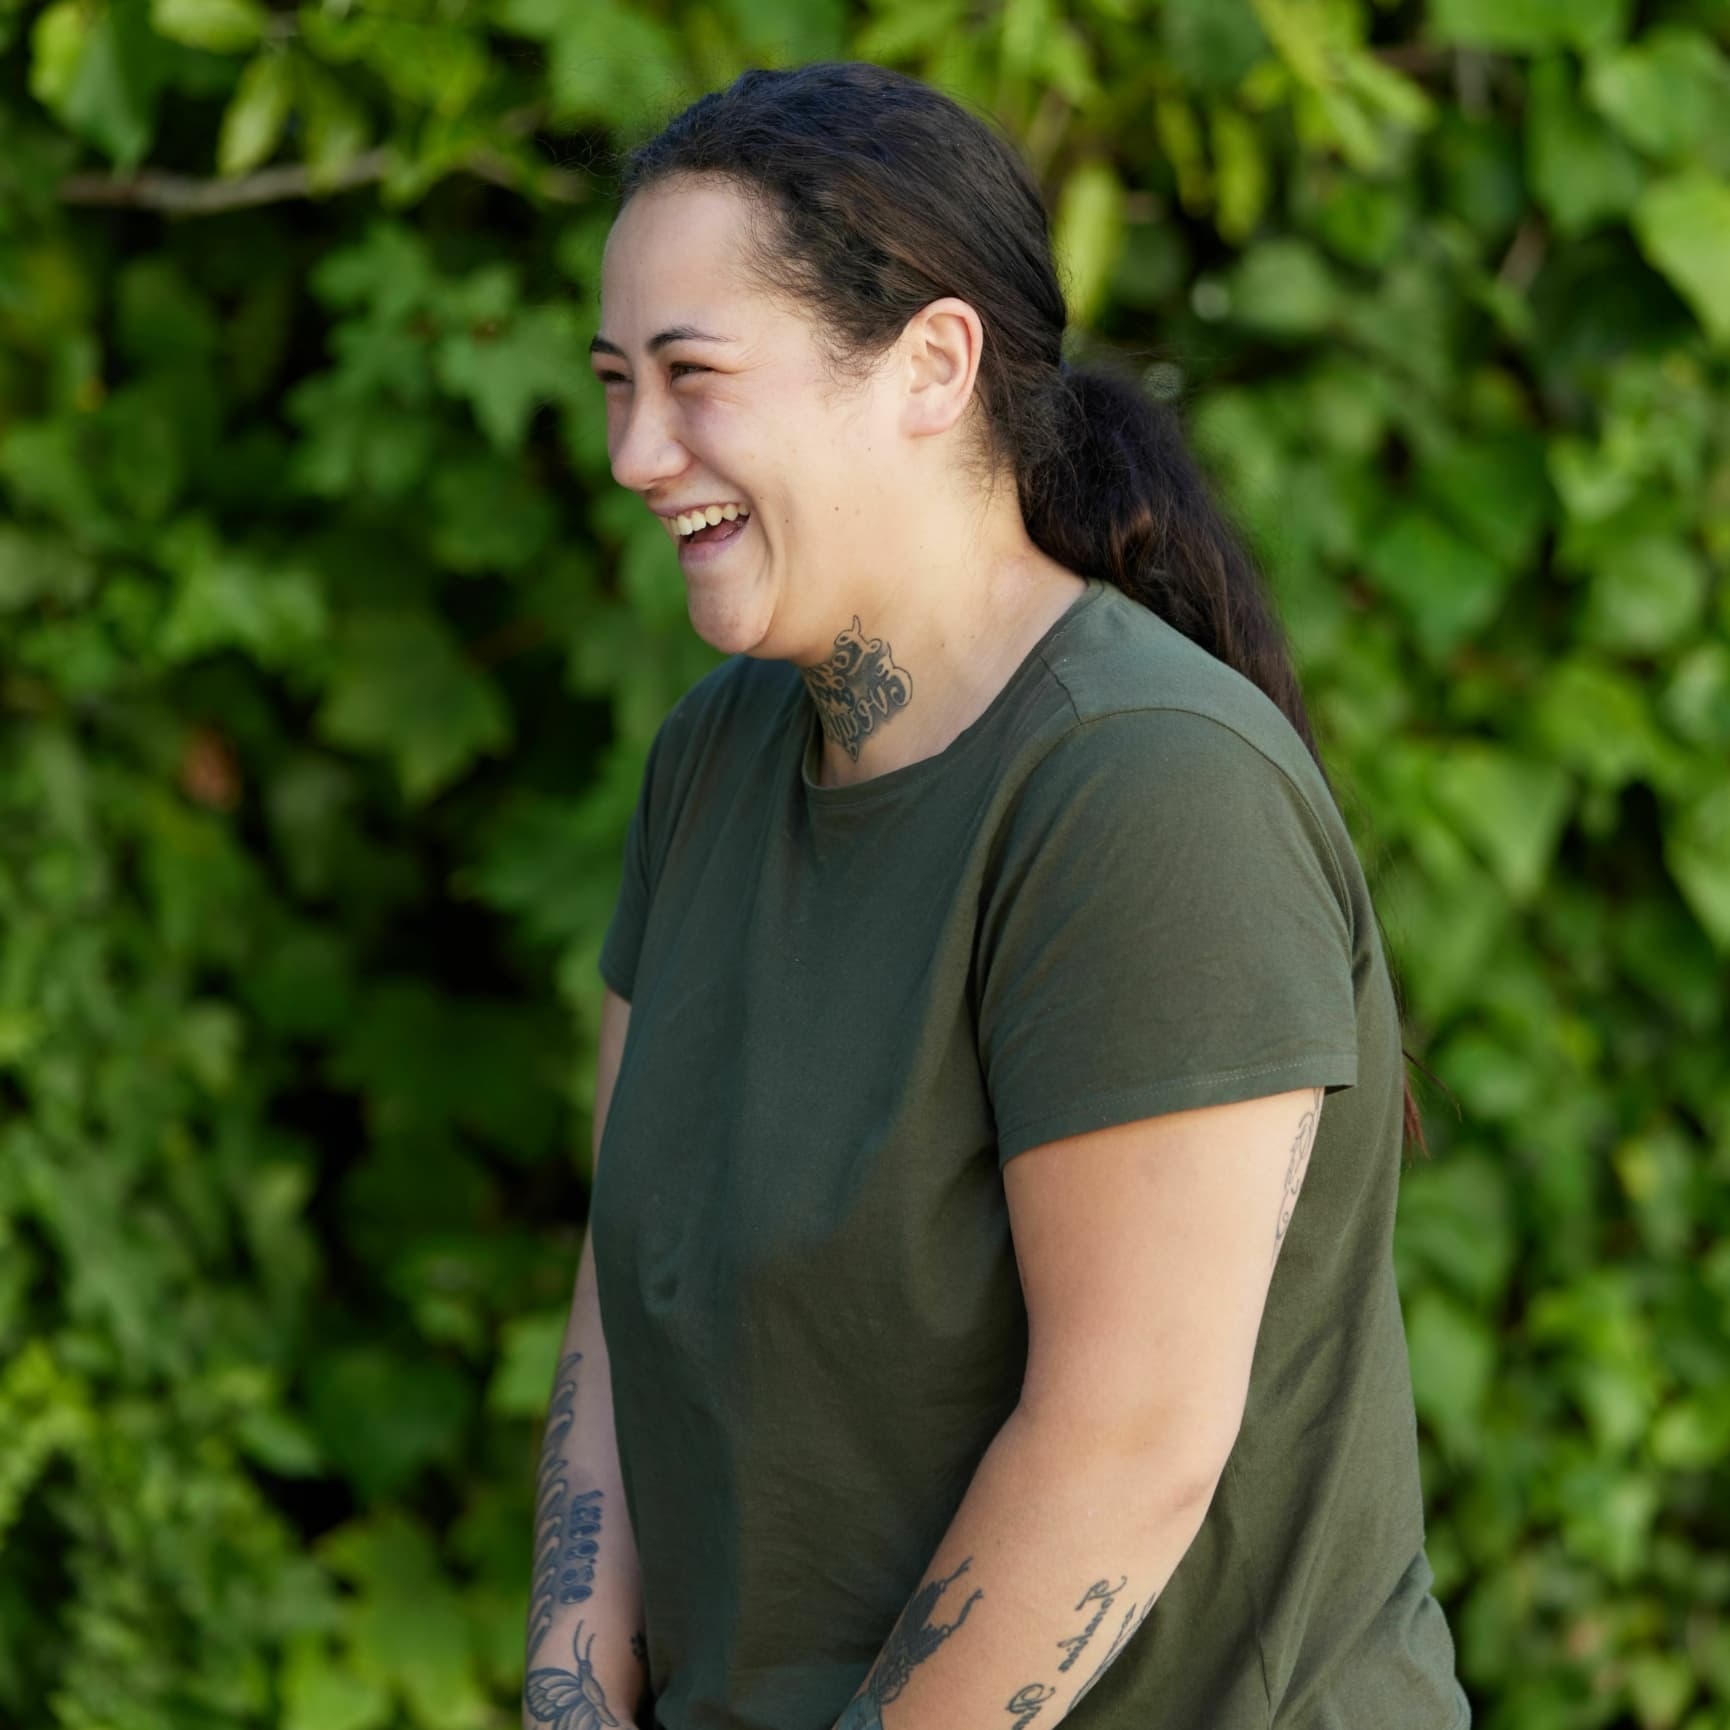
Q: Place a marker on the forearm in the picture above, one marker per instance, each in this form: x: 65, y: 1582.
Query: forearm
x: 1057, y: 1553
x: 585, y: 1602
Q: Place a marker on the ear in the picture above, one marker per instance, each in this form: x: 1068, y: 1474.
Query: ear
x: 943, y: 344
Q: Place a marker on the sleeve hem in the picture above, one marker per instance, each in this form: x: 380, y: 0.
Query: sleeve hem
x: 615, y: 978
x: 1328, y: 1070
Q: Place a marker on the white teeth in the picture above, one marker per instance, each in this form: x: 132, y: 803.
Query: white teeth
x: 688, y: 522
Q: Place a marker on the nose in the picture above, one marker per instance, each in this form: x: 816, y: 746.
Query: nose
x: 642, y: 445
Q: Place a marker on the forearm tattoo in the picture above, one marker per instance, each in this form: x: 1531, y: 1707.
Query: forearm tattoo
x: 1299, y: 1163
x: 567, y: 1530
x: 1100, y: 1599
x: 912, y: 1640
x: 857, y: 688
x: 569, y: 1699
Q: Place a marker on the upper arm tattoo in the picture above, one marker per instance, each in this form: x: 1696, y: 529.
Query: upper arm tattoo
x: 1299, y: 1163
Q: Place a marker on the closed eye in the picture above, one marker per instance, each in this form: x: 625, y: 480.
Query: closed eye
x: 678, y: 366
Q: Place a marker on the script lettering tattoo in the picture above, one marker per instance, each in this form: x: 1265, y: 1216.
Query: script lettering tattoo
x: 912, y: 1640
x: 1025, y: 1702
x: 552, y: 1490
x: 569, y: 1699
x: 1102, y: 1593
x: 1302, y: 1142
x: 1131, y: 1621
x: 857, y: 688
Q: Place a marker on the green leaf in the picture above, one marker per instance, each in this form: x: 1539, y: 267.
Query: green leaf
x: 1581, y: 172
x: 1594, y: 719
x: 1455, y: 1222
x: 528, y: 1354
x: 320, y: 1692
x: 1683, y: 226
x: 1648, y: 595
x: 1209, y: 44
x: 381, y: 1418
x: 227, y: 598
x: 37, y: 566
x: 1495, y: 486
x: 793, y: 31
x: 1511, y: 808
x: 1283, y: 287
x: 1447, y: 587
x: 1668, y: 93
x: 1528, y: 24
x: 1452, y: 1358
x: 1088, y: 236
x: 218, y: 26
x: 537, y: 357
x: 100, y: 68
x: 1696, y: 702
x: 336, y: 127
x: 253, y: 121
x: 401, y: 686
x: 1697, y: 847
x: 408, y: 1626
x: 1240, y: 171
x: 606, y: 62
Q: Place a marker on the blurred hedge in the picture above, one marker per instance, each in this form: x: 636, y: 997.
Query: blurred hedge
x: 329, y: 654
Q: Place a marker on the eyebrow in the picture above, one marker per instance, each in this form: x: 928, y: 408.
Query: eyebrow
x: 678, y: 333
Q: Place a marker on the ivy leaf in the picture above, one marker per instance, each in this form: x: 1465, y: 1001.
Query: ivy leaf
x: 1668, y: 93
x: 1581, y: 172
x: 792, y: 30
x: 1697, y: 848
x: 537, y: 357
x: 408, y: 1625
x: 605, y: 62
x: 401, y: 686
x: 1683, y: 226
x: 1445, y: 584
x: 1511, y: 808
x: 1452, y: 1358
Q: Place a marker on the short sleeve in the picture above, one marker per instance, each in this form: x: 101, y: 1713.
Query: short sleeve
x: 623, y: 941
x: 1166, y: 926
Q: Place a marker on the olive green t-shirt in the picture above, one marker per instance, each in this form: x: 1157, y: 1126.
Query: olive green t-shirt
x: 1123, y: 890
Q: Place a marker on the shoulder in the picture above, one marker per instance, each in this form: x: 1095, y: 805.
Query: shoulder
x: 1159, y: 741
x: 1145, y: 697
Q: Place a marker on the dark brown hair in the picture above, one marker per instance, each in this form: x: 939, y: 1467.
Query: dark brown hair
x: 873, y: 194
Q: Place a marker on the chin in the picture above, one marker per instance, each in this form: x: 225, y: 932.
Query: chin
x: 732, y: 626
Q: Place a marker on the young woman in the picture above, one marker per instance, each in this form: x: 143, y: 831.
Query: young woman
x: 992, y: 1224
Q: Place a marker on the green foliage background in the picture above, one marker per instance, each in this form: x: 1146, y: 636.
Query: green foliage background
x: 329, y: 655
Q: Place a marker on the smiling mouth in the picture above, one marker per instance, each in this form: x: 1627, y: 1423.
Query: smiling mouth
x: 713, y: 534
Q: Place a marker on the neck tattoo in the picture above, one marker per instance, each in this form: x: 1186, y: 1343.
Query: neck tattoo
x: 857, y: 689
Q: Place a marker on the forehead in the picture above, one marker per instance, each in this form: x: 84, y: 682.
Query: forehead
x: 676, y: 256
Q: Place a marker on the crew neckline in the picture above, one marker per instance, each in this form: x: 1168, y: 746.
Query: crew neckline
x: 898, y: 780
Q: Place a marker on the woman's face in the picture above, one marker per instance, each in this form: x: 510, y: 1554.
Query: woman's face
x: 717, y: 395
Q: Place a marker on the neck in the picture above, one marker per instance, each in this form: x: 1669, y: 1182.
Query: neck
x: 896, y: 690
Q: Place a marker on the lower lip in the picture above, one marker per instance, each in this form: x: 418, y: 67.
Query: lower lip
x: 701, y: 552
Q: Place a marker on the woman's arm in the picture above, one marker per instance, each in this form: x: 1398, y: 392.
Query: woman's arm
x: 585, y: 1601
x: 1146, y: 1251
